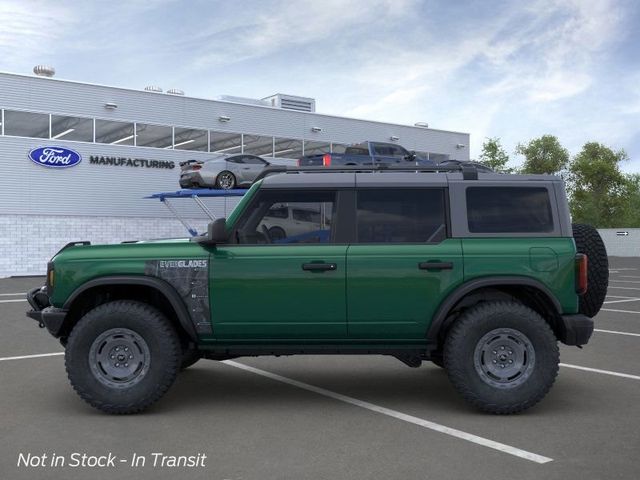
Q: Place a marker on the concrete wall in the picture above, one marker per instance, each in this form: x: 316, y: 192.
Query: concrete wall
x: 620, y: 245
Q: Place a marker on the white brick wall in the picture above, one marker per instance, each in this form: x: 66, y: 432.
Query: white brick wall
x: 27, y: 242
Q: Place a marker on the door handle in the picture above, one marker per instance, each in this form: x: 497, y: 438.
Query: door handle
x: 435, y: 265
x: 319, y: 267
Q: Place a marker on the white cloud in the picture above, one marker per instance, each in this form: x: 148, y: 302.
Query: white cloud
x: 29, y: 29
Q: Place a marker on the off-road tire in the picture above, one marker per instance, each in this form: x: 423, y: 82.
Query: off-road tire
x: 467, y: 334
x: 161, y: 342
x: 589, y: 242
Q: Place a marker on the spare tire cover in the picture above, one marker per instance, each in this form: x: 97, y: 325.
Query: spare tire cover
x: 589, y: 242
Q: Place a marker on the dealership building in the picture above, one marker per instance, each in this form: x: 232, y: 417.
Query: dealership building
x: 127, y: 144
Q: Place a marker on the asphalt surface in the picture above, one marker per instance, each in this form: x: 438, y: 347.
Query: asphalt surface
x: 337, y: 417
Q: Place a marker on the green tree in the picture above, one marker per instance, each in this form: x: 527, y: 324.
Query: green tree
x: 494, y: 156
x: 601, y: 195
x: 543, y: 155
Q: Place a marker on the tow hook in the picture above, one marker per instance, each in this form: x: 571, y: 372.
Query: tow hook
x: 41, y: 325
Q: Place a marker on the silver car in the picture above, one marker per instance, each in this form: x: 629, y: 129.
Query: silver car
x: 224, y: 171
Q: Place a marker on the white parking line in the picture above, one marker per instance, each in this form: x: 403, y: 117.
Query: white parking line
x: 597, y: 370
x: 629, y: 276
x: 627, y: 299
x: 533, y: 457
x: 23, y: 357
x: 625, y: 281
x: 618, y: 311
x: 623, y: 288
x: 616, y: 332
x: 611, y: 270
x: 14, y: 300
x: 11, y: 294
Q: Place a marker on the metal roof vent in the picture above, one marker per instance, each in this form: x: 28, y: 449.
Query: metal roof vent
x: 44, y: 71
x: 153, y: 88
x: 291, y: 102
x: 175, y: 91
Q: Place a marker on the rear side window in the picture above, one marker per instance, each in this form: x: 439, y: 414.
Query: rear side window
x: 401, y: 216
x: 509, y: 210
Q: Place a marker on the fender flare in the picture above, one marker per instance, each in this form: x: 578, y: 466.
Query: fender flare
x: 156, y: 283
x: 468, y: 287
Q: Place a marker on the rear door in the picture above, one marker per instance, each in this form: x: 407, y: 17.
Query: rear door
x: 403, y: 262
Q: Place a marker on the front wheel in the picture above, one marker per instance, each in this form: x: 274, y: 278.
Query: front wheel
x: 502, y: 357
x: 122, y: 356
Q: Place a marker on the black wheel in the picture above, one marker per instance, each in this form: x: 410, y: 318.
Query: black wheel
x: 502, y: 357
x: 589, y: 242
x: 190, y: 355
x: 277, y: 233
x: 122, y: 356
x: 225, y: 180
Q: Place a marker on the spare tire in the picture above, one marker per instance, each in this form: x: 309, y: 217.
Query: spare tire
x: 589, y: 242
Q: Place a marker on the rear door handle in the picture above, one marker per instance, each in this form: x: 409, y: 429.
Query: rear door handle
x: 435, y: 265
x: 319, y: 267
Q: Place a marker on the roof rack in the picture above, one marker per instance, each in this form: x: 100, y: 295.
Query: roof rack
x: 469, y: 171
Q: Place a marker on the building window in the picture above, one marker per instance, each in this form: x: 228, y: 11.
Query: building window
x: 71, y: 128
x: 224, y: 142
x: 287, y: 148
x: 157, y: 136
x: 191, y: 139
x: 316, y: 148
x: 26, y: 124
x: 114, y: 133
x: 258, y: 145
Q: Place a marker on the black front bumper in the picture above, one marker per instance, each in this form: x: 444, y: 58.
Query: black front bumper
x: 575, y: 329
x: 44, y: 313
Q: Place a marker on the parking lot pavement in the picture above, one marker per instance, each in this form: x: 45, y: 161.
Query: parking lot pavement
x: 332, y: 417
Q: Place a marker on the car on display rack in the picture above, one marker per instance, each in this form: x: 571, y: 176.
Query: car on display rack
x: 367, y: 153
x: 224, y: 171
x: 480, y: 273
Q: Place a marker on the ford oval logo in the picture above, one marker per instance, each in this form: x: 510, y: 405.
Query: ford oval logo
x: 55, y: 157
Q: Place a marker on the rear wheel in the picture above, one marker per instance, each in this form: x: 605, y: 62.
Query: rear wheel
x: 122, y: 356
x: 225, y: 180
x: 502, y: 357
x: 589, y: 242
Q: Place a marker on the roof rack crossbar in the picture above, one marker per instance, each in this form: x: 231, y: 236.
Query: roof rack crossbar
x: 469, y: 172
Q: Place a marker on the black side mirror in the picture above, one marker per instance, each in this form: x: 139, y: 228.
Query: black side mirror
x: 216, y: 233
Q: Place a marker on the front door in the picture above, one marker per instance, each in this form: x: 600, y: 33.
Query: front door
x: 402, y: 263
x: 286, y: 277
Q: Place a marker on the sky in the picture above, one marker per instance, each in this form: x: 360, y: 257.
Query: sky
x: 513, y: 70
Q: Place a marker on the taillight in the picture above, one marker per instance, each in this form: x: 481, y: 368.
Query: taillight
x: 196, y: 167
x: 326, y: 160
x: 582, y: 280
x: 299, y: 160
x: 50, y: 278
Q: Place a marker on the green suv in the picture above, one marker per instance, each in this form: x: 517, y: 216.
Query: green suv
x: 480, y: 273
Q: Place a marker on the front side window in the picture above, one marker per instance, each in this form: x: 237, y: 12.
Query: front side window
x: 289, y: 217
x: 509, y: 210
x: 390, y: 151
x: 251, y: 160
x: 401, y: 216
